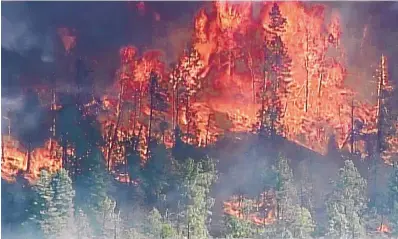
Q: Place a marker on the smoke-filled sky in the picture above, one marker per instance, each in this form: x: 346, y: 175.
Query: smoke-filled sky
x: 30, y: 41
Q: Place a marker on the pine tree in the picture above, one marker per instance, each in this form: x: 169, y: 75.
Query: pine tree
x: 108, y: 220
x: 347, y: 203
x: 386, y: 128
x: 185, y: 83
x: 277, y: 21
x: 378, y: 206
x: 286, y: 202
x: 276, y: 75
x: 52, y: 209
x: 306, y: 188
x: 92, y: 190
x: 43, y: 195
x: 82, y: 225
x: 303, y: 226
x: 15, y: 202
x: 156, y: 226
x: 286, y: 193
x: 194, y: 190
x: 238, y: 228
x: 93, y: 185
x: 79, y: 131
x: 155, y: 172
x: 133, y: 160
x: 387, y: 116
x: 62, y: 207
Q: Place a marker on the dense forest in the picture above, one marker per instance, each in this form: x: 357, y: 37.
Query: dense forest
x: 143, y: 162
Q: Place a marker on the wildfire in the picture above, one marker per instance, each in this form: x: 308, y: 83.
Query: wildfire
x: 15, y: 159
x: 260, y: 212
x: 216, y: 85
x: 220, y: 91
x: 383, y: 228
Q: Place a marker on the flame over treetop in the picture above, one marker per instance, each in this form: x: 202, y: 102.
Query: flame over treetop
x: 227, y: 65
x: 221, y: 82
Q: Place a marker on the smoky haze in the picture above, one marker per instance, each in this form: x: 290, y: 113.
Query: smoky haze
x: 30, y: 40
x: 32, y: 47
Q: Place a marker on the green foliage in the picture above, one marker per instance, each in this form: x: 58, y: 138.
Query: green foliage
x: 61, y: 210
x: 52, y: 209
x: 299, y: 225
x: 292, y: 221
x: 347, y: 203
x: 157, y: 227
x: 238, y: 228
x: 92, y: 186
x: 107, y: 219
x: 15, y: 199
x: 194, y: 190
x: 81, y: 132
x: 133, y: 161
x: 286, y: 193
x: 303, y: 226
x: 82, y: 225
x: 277, y: 230
x: 156, y: 172
x: 306, y: 188
x: 43, y: 195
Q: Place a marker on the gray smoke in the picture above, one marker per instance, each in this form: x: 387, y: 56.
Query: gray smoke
x: 19, y: 33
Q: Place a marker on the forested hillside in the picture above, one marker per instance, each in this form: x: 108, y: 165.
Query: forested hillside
x: 254, y: 132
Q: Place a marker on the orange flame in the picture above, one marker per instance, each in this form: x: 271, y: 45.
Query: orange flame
x: 229, y: 40
x: 383, y: 228
x: 16, y: 159
x: 260, y: 212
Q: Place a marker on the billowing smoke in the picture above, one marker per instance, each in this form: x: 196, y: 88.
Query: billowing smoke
x: 19, y: 33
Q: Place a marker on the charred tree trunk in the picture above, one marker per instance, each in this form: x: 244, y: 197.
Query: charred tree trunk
x: 115, y: 130
x: 207, y: 129
x: 273, y: 107
x: 264, y: 207
x: 64, y: 154
x: 264, y: 89
x: 307, y: 74
x: 187, y: 115
x: 53, y: 109
x: 250, y: 59
x: 138, y: 138
x: 380, y: 116
x: 152, y: 92
x: 29, y: 156
x: 177, y: 104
